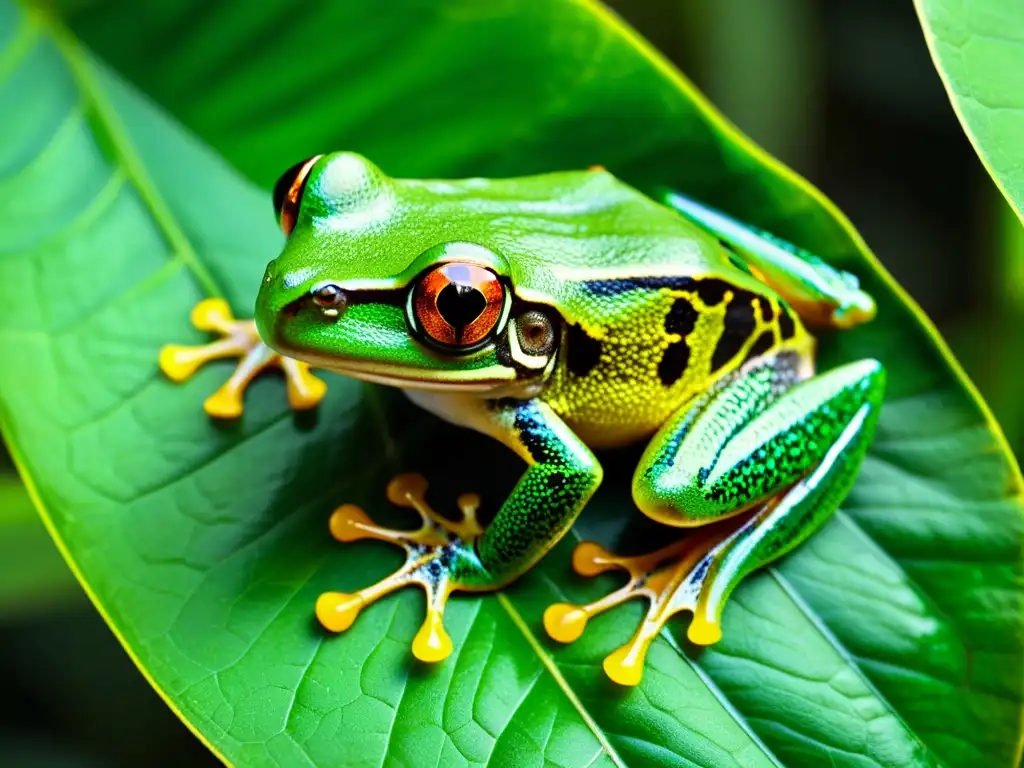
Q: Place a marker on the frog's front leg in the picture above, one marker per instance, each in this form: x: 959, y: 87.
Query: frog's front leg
x: 820, y: 293
x: 443, y: 556
x: 240, y: 339
x: 775, y: 457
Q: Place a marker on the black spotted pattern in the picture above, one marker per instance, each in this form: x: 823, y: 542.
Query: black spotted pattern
x: 556, y: 480
x: 681, y: 318
x: 762, y: 344
x: 583, y: 353
x: 625, y: 284
x: 739, y: 325
x: 712, y: 291
x: 533, y: 432
x: 673, y: 363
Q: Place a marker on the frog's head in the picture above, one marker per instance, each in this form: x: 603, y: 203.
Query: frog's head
x: 371, y: 284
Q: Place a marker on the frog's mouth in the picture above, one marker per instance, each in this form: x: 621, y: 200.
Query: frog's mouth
x: 478, y: 380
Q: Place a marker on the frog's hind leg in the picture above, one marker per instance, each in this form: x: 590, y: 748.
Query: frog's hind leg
x: 821, y: 294
x: 765, y: 468
x: 240, y: 339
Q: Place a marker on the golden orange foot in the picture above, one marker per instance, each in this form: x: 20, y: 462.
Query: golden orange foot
x: 240, y: 339
x: 673, y: 579
x: 428, y: 550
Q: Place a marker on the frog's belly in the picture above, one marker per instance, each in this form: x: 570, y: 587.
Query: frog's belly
x: 599, y: 436
x: 609, y: 411
x: 614, y: 405
x: 618, y: 419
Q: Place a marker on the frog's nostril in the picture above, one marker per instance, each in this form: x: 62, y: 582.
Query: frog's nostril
x: 268, y: 274
x: 330, y: 298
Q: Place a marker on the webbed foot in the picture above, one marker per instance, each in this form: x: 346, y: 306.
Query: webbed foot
x: 435, y: 554
x: 679, y: 577
x: 241, y: 340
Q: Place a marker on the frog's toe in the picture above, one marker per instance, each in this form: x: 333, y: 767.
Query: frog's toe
x: 305, y: 390
x: 859, y: 309
x: 239, y: 339
x: 225, y: 403
x: 431, y: 552
x: 671, y: 579
x: 178, y: 362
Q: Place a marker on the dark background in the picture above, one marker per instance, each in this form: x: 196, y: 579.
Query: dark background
x: 845, y: 94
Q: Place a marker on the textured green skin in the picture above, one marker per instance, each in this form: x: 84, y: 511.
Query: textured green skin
x: 562, y: 476
x: 779, y: 527
x: 802, y: 510
x: 593, y: 250
x: 750, y: 438
x: 546, y: 500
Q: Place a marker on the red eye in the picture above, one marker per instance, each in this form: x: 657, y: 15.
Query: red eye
x: 288, y: 193
x: 457, y: 304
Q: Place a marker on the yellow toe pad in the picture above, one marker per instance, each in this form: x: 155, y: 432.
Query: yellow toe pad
x: 240, y: 339
x: 426, y: 550
x: 670, y: 579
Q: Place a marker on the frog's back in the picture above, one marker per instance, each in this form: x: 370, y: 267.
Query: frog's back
x: 655, y: 309
x: 558, y: 232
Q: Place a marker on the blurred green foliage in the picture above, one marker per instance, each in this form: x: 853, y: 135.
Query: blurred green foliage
x: 33, y: 577
x: 846, y: 95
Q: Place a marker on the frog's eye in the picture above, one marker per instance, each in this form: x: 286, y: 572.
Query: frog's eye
x: 457, y: 305
x: 288, y: 193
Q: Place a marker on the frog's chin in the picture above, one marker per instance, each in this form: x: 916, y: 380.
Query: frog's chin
x: 483, y: 381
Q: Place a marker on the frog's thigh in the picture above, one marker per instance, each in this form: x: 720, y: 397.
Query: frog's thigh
x: 780, y: 525
x: 749, y: 440
x: 820, y: 293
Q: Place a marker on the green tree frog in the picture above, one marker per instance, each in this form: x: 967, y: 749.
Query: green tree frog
x: 559, y: 314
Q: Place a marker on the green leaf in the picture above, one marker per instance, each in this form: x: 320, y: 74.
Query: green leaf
x: 891, y: 638
x: 978, y: 49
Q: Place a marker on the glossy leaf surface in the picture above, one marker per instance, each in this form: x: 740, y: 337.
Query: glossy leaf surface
x: 891, y: 638
x: 978, y: 49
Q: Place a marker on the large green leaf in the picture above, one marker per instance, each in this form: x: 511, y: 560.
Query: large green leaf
x: 891, y: 638
x: 978, y: 49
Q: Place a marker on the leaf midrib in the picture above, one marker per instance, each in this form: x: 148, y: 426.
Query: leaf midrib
x: 126, y: 156
x: 555, y: 673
